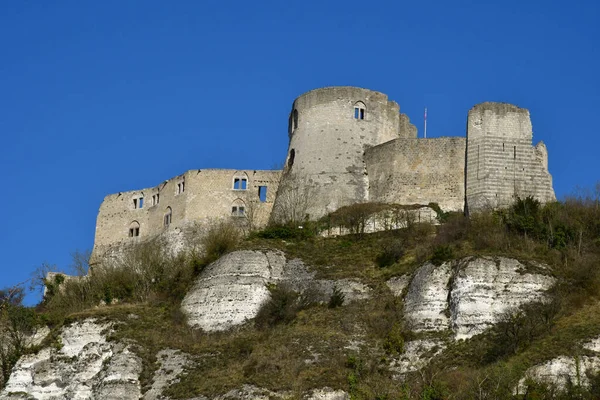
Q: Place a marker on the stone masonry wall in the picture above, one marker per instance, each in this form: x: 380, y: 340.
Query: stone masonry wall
x: 501, y: 162
x: 327, y: 143
x: 196, y: 197
x: 418, y: 171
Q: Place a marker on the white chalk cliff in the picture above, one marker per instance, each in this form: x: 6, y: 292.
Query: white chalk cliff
x: 468, y: 296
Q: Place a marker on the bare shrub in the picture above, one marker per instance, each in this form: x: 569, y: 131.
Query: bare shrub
x: 220, y: 239
x: 294, y: 198
x: 282, y: 307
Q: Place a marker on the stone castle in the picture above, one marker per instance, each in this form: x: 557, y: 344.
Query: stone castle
x: 347, y: 145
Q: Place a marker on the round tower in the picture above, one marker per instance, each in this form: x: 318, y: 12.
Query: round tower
x: 329, y: 130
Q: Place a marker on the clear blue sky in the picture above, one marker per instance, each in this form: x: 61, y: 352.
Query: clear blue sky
x: 107, y: 96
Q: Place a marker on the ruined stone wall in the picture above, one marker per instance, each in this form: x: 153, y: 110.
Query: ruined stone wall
x: 196, y: 197
x: 501, y: 161
x: 327, y: 143
x: 418, y: 171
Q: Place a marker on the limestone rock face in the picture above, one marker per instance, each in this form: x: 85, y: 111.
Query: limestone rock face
x: 560, y: 370
x: 426, y: 303
x: 417, y: 354
x: 469, y: 295
x: 231, y: 290
x: 86, y: 367
x: 485, y: 288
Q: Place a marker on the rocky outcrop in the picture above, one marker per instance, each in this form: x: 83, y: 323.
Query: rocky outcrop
x: 231, y: 290
x: 85, y: 367
x: 561, y: 370
x: 172, y: 364
x: 469, y: 295
x: 416, y: 355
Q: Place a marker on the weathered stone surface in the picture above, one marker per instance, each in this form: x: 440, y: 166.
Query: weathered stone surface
x: 417, y: 354
x: 231, y: 290
x: 563, y: 369
x: 86, y: 367
x: 172, y: 364
x: 397, y: 284
x: 426, y: 303
x: 487, y: 287
x: 469, y: 295
x: 326, y: 394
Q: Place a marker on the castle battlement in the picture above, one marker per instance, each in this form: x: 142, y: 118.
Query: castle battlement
x: 347, y: 145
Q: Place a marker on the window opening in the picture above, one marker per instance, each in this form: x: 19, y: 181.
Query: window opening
x: 134, y: 203
x: 238, y: 208
x: 141, y: 202
x: 359, y: 110
x: 134, y: 229
x: 167, y: 218
x: 240, y: 183
x: 291, y: 158
x: 295, y: 119
x: 262, y: 193
x: 180, y: 187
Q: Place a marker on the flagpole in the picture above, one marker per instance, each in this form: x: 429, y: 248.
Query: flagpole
x: 425, y: 130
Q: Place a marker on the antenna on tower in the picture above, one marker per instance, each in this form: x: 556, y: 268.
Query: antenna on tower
x: 425, y: 130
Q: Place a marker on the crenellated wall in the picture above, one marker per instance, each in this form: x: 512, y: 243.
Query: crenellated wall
x: 418, y: 171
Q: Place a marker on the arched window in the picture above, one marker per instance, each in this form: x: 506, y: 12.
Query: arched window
x: 167, y: 217
x: 360, y: 110
x: 240, y: 181
x: 238, y: 208
x: 134, y: 229
x: 291, y: 158
x: 295, y: 116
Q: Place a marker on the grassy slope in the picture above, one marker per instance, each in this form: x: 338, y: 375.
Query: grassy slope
x: 345, y: 347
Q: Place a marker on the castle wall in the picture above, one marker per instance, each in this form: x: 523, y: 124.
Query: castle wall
x: 501, y: 162
x: 196, y: 197
x: 327, y: 142
x: 418, y: 171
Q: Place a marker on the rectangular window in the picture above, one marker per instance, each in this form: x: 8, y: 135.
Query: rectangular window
x: 141, y: 202
x: 241, y: 211
x: 262, y: 193
x: 244, y: 184
x: 236, y: 183
x: 134, y: 203
x: 234, y: 211
x: 356, y: 113
x: 362, y: 113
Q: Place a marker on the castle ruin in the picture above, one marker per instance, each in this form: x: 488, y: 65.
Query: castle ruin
x: 347, y: 145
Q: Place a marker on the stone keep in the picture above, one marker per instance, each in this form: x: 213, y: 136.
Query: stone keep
x: 329, y: 130
x: 501, y: 162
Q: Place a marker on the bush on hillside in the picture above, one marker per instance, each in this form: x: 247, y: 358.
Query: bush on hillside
x: 282, y: 307
x: 288, y: 232
x: 220, y: 239
x: 391, y: 254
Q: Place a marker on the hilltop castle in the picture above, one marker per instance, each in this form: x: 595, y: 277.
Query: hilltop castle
x: 347, y: 145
